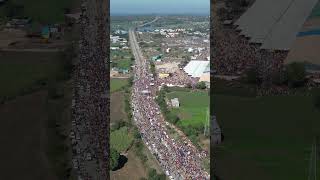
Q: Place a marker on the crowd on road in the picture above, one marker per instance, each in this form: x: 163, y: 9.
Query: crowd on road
x: 90, y: 128
x: 179, y: 159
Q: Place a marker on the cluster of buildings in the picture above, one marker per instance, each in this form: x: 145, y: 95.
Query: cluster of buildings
x: 121, y: 42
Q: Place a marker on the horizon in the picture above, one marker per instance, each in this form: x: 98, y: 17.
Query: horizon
x: 164, y: 7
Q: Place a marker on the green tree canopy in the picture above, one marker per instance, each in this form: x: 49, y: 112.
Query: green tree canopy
x: 114, y: 158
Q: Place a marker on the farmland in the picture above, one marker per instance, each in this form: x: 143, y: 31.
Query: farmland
x: 20, y: 72
x: 120, y: 139
x: 267, y: 137
x: 193, y: 107
x: 117, y: 84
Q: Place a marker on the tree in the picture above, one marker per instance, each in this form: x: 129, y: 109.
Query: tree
x: 114, y: 158
x: 201, y: 85
x: 296, y: 74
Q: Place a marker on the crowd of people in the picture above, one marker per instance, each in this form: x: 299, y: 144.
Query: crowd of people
x: 234, y: 54
x: 179, y: 159
x: 178, y: 78
x: 89, y: 134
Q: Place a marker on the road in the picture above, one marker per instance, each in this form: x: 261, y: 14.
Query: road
x: 179, y: 160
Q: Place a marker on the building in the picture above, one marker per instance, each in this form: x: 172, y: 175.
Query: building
x: 175, y: 102
x: 197, y: 67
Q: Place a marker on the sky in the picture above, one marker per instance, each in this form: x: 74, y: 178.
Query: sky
x: 128, y: 7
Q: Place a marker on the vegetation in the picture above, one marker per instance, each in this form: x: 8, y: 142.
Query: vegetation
x: 283, y: 136
x: 120, y: 139
x: 114, y: 158
x: 172, y: 118
x: 152, y: 175
x: 117, y: 84
x: 46, y: 11
x: 201, y: 85
x: 296, y: 74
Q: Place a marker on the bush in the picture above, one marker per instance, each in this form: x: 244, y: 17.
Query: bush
x: 114, y: 158
x: 296, y: 74
x: 201, y: 85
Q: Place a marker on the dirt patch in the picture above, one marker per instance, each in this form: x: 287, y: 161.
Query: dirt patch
x: 23, y: 136
x: 133, y: 169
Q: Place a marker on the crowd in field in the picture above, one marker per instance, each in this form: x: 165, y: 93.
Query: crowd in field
x: 234, y: 54
x: 179, y: 159
x: 177, y: 78
x: 90, y: 129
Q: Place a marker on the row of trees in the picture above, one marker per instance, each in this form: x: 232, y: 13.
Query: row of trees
x: 161, y: 100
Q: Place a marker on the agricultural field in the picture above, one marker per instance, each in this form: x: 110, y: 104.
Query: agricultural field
x: 117, y: 83
x: 32, y: 115
x: 193, y: 107
x: 265, y: 137
x: 121, y: 59
x: 20, y: 72
x: 120, y: 139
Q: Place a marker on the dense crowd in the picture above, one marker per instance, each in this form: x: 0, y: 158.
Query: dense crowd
x: 178, y: 78
x: 179, y: 159
x: 89, y: 134
x: 234, y: 54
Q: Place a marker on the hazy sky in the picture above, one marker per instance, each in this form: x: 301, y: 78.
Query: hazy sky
x: 159, y: 6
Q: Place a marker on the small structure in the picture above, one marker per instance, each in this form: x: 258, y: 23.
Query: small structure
x: 175, y: 102
x: 163, y: 75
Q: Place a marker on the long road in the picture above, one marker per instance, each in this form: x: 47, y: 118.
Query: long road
x: 179, y: 159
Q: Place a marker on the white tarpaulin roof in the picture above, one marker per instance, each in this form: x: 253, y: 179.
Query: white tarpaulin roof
x: 275, y: 23
x: 196, y: 68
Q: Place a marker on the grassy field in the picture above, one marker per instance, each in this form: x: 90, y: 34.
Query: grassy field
x: 121, y: 59
x: 193, y: 107
x: 117, y: 84
x: 265, y: 138
x: 121, y: 139
x: 21, y: 71
x: 32, y: 147
x: 117, y: 104
x: 45, y: 11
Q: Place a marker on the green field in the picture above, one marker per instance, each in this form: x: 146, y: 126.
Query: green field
x: 45, y: 11
x: 193, y: 107
x: 266, y: 137
x: 120, y: 139
x: 121, y: 59
x: 21, y: 71
x: 316, y: 11
x: 117, y: 84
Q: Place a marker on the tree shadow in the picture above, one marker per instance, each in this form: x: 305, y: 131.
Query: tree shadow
x: 121, y: 162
